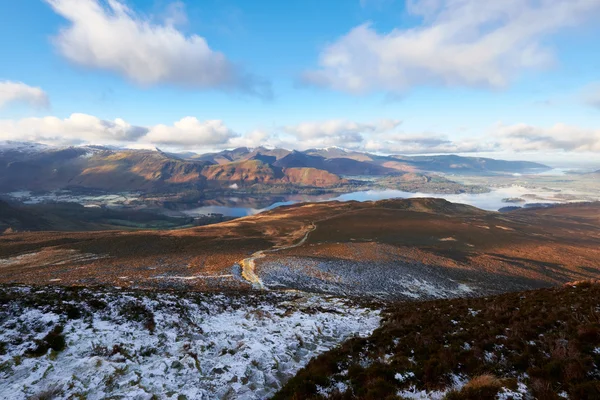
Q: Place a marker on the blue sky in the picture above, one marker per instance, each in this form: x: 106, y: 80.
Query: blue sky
x: 519, y: 77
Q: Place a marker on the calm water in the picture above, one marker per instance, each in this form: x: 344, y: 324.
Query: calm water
x: 491, y: 201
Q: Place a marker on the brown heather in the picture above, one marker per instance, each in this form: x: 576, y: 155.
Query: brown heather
x: 545, y: 339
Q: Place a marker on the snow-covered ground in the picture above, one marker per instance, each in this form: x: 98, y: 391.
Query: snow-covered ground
x: 128, y: 344
x: 383, y: 280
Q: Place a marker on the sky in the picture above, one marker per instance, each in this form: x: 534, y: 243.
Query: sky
x: 516, y: 79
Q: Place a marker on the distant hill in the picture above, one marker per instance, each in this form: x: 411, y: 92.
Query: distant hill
x: 339, y: 166
x: 129, y: 170
x: 312, y: 177
x: 344, y: 162
x: 34, y: 167
x: 243, y: 171
x: 438, y: 163
x: 241, y: 154
x: 459, y: 164
x: 145, y: 171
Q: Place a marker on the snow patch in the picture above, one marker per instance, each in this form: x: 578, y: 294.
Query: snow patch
x: 403, y: 377
x: 508, y: 394
x: 203, y: 346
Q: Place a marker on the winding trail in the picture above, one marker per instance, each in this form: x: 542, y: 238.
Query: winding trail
x: 249, y: 264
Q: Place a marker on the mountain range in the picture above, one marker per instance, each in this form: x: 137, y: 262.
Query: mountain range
x: 27, y: 166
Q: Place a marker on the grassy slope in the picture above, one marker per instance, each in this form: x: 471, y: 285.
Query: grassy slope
x: 555, y: 248
x: 547, y: 340
x: 75, y: 217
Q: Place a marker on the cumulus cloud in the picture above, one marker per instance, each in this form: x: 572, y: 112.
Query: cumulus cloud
x: 461, y: 43
x: 513, y: 138
x: 13, y: 92
x: 523, y: 137
x: 384, y: 136
x: 76, y: 129
x: 108, y: 35
x: 190, y: 131
x: 255, y: 138
x: 425, y: 143
x: 337, y: 132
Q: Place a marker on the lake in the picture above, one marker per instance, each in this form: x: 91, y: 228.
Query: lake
x: 491, y: 201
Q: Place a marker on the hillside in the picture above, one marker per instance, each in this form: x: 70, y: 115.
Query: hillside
x: 258, y: 171
x: 75, y: 217
x: 542, y: 344
x: 140, y: 170
x: 458, y: 164
x: 340, y: 166
x: 343, y: 162
x: 253, y: 171
x: 391, y: 249
x: 17, y: 219
x: 312, y: 177
x: 30, y: 167
x: 437, y: 163
x: 241, y: 154
x: 95, y: 169
x: 420, y: 182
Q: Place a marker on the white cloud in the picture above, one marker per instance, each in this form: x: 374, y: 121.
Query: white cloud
x: 190, y: 131
x: 76, y: 129
x: 424, y: 143
x: 515, y: 138
x: 349, y: 134
x: 175, y: 14
x: 112, y: 37
x: 461, y: 43
x: 562, y: 137
x: 337, y: 127
x: 13, y: 92
x: 384, y: 136
x: 255, y: 138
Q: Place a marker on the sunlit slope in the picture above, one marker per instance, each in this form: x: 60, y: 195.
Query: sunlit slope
x: 416, y: 248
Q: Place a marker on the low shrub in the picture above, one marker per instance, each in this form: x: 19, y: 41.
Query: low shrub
x: 53, y: 340
x: 547, y: 339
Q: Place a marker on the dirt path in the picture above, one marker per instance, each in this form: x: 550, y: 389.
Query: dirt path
x: 249, y: 264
